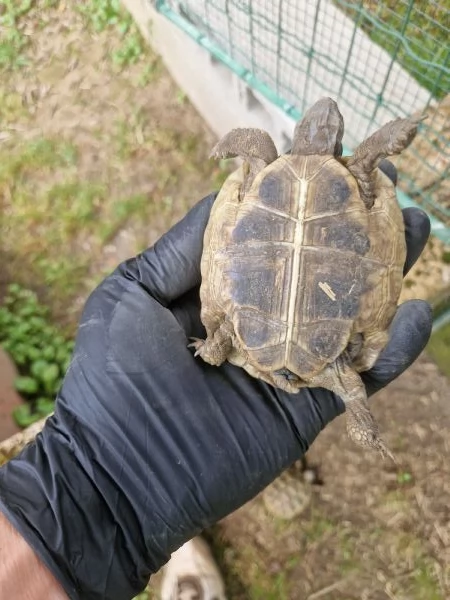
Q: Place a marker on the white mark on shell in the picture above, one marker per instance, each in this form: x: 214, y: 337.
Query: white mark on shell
x: 328, y: 291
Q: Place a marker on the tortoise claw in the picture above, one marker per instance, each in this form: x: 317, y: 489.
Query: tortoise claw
x: 385, y: 452
x: 197, y: 344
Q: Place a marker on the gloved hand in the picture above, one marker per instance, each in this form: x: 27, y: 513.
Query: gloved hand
x: 149, y: 445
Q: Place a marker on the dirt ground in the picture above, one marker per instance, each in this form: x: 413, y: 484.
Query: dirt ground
x: 134, y: 152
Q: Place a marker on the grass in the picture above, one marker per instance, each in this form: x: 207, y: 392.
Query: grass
x: 110, y: 14
x: 263, y: 584
x: 264, y: 588
x: 13, y: 41
x: 439, y: 345
x: 318, y: 527
x: 415, y: 34
x: 45, y: 197
x: 11, y: 107
x: 39, y: 208
x: 63, y: 210
x: 15, y: 44
x: 421, y: 582
x: 439, y: 348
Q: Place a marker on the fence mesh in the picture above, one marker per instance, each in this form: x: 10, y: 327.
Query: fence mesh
x: 378, y: 59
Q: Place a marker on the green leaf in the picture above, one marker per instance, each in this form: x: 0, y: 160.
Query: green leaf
x: 26, y: 385
x: 45, y: 406
x: 7, y: 345
x: 38, y: 367
x: 19, y: 358
x: 14, y: 288
x: 50, y: 374
x: 23, y: 415
x: 404, y: 477
x: 27, y: 311
x: 61, y: 355
x: 65, y: 366
x: 49, y: 353
x: 58, y: 340
x: 34, y: 353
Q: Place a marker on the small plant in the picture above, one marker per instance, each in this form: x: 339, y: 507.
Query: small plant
x: 105, y: 14
x: 13, y: 41
x: 404, y: 477
x: 41, y: 353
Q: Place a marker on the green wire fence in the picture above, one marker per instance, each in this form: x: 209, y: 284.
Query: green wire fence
x: 378, y: 59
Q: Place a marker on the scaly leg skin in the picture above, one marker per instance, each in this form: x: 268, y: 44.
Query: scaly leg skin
x: 214, y: 350
x: 363, y: 429
x: 342, y: 379
x: 391, y: 139
x: 370, y: 351
x: 255, y: 146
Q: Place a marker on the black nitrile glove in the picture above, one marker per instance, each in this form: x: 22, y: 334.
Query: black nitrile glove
x: 149, y: 445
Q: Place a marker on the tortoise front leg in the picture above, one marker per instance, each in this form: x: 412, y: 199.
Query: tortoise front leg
x: 255, y: 146
x: 216, y: 348
x: 391, y: 139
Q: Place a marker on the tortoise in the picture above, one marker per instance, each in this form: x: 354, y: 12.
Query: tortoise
x: 303, y: 259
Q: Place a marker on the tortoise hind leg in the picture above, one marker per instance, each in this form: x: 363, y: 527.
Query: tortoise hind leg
x: 342, y: 379
x: 255, y: 146
x: 373, y: 344
x: 391, y: 139
x: 216, y: 348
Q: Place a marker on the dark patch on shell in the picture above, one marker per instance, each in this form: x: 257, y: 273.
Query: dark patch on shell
x: 334, y: 287
x: 347, y: 293
x: 261, y: 226
x: 337, y: 232
x: 331, y: 192
x: 275, y: 191
x: 326, y: 338
x: 254, y: 287
x: 344, y: 234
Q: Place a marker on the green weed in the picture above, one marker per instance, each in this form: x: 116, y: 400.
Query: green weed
x: 13, y: 42
x: 40, y: 352
x: 151, y: 71
x: 265, y: 588
x: 425, y: 585
x: 439, y: 348
x: 46, y: 215
x: 105, y: 14
x: 122, y: 210
x: 317, y: 527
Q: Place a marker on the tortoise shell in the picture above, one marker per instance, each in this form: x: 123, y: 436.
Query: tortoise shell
x: 303, y: 260
x: 300, y: 266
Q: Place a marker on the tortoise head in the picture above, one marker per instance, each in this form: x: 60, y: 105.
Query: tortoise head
x: 320, y: 131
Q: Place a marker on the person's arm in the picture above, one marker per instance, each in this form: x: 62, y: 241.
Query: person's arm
x: 22, y: 574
